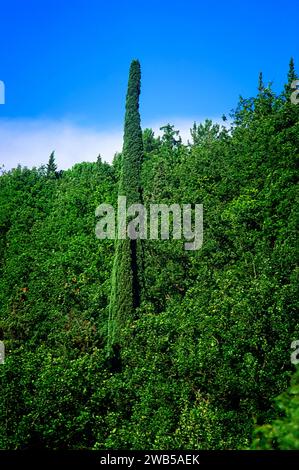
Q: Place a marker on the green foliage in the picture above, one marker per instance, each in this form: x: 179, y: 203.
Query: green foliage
x: 203, y: 134
x: 208, y: 347
x: 283, y: 432
x: 170, y: 138
x: 291, y: 77
x: 150, y: 142
x: 51, y: 166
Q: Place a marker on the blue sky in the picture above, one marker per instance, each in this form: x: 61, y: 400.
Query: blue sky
x: 65, y: 64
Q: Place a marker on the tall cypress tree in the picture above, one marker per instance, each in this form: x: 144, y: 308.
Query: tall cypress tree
x: 128, y: 261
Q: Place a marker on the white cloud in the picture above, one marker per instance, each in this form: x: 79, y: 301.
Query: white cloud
x: 30, y: 142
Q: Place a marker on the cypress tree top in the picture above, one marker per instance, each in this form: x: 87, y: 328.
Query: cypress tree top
x: 133, y: 145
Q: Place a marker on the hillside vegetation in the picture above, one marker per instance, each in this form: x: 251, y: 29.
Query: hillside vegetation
x: 206, y: 349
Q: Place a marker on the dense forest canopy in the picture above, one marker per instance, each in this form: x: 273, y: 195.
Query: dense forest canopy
x: 206, y: 349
